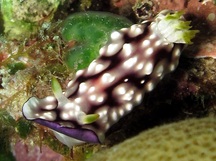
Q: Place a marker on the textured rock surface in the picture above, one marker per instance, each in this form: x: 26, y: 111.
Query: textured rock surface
x: 192, y: 140
x: 35, y: 153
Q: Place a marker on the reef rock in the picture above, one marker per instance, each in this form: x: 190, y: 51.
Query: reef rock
x: 192, y: 139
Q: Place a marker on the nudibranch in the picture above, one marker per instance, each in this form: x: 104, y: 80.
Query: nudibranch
x: 132, y: 62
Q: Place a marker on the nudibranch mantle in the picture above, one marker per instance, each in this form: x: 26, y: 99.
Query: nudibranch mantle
x: 133, y: 61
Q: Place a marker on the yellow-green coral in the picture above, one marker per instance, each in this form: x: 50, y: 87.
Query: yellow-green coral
x: 189, y: 140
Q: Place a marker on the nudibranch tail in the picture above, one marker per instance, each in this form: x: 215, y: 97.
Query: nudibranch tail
x: 132, y: 63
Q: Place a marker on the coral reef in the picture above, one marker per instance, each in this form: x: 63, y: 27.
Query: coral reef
x: 22, y: 18
x: 28, y: 65
x: 192, y: 139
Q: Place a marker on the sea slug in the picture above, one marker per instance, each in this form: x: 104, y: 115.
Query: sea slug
x: 133, y: 61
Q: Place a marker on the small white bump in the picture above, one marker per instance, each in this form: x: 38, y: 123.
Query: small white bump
x: 70, y: 84
x: 159, y: 69
x: 103, y: 50
x: 142, y: 81
x: 128, y: 96
x: 152, y: 36
x: 138, y: 97
x: 114, y: 115
x: 126, y: 80
x: 149, y: 51
x: 121, y: 112
x: 124, y: 29
x: 130, y: 62
x: 100, y: 99
x: 115, y: 36
x: 102, y: 111
x: 148, y: 68
x: 92, y: 97
x: 49, y: 99
x: 47, y: 103
x: 92, y: 89
x: 83, y: 87
x: 69, y: 106
x: 78, y: 100
x: 121, y: 90
x: 107, y: 78
x: 103, y: 116
x: 37, y: 115
x: 173, y: 66
x: 140, y: 66
x: 149, y: 86
x: 124, y: 92
x: 128, y: 107
x: 127, y: 50
x: 79, y: 73
x: 92, y: 66
x: 96, y: 67
x: 158, y: 43
x: 107, y: 125
x: 113, y: 48
x: 65, y: 116
x: 49, y: 115
x: 97, y: 99
x: 135, y: 30
x: 176, y: 52
x: 99, y: 68
x: 146, y: 43
x: 78, y: 108
x: 49, y: 107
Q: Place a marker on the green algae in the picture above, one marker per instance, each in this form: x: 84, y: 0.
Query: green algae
x: 89, y: 31
x: 5, y: 152
x: 14, y: 67
x: 22, y: 18
x: 24, y: 128
x: 6, y: 119
x: 7, y: 124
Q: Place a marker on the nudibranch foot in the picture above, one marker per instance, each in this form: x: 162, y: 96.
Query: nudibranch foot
x: 67, y: 140
x: 83, y: 135
x: 133, y: 61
